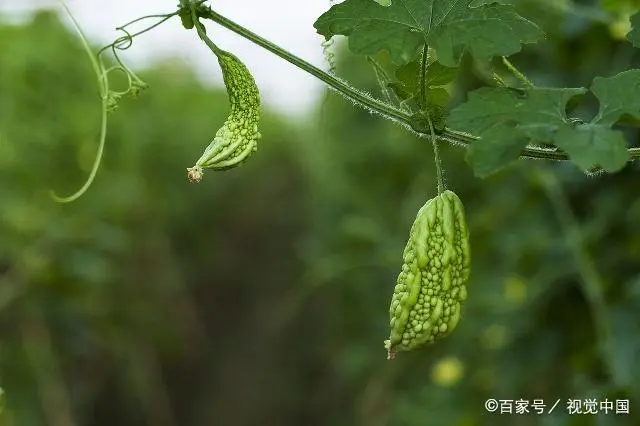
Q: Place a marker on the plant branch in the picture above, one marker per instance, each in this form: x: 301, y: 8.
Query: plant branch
x: 202, y: 33
x: 423, y: 106
x: 334, y: 82
x: 449, y: 135
x: 516, y: 72
x: 383, y: 81
x: 128, y: 37
x: 423, y: 78
x: 436, y: 156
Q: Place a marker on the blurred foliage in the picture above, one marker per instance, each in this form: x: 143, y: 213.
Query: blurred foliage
x: 260, y: 296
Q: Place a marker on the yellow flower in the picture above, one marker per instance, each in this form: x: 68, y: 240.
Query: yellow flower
x: 447, y: 371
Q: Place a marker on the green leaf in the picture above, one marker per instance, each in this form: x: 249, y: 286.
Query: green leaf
x: 435, y: 95
x: 538, y: 131
x: 437, y: 75
x: 452, y: 27
x: 506, y: 119
x: 438, y: 96
x: 634, y: 34
x: 486, y: 31
x: 618, y: 95
x: 498, y: 147
x: 408, y: 74
x: 400, y: 90
x: 590, y: 145
x: 384, y: 3
x: 488, y: 107
x: 408, y: 83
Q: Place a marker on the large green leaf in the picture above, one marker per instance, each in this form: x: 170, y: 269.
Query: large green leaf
x: 488, y: 106
x: 452, y: 27
x: 590, y: 145
x: 503, y: 117
x: 618, y: 95
x: 500, y: 145
x: 506, y: 119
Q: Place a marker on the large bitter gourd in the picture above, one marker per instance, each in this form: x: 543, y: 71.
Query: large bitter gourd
x: 430, y: 289
x: 238, y: 137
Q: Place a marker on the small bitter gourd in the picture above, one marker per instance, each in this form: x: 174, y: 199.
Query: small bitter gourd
x: 238, y: 137
x: 430, y: 289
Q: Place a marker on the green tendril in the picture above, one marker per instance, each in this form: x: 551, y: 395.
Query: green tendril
x: 327, y: 51
x: 109, y: 98
x: 103, y: 84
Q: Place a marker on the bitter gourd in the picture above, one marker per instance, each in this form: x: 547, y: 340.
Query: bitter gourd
x: 430, y: 289
x: 238, y: 137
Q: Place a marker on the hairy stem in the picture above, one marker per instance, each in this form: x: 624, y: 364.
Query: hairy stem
x: 423, y: 106
x: 516, y: 72
x: 203, y: 34
x: 423, y: 77
x: 499, y: 80
x: 436, y: 156
x: 383, y: 81
x: 345, y: 89
x: 448, y: 135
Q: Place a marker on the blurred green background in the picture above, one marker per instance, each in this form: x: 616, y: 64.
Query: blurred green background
x: 260, y: 296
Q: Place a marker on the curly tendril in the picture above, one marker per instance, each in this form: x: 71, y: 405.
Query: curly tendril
x: 327, y: 51
x: 328, y: 54
x: 109, y: 98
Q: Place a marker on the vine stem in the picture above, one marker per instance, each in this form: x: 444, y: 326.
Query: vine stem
x: 423, y: 106
x: 436, y: 157
x: 334, y: 82
x: 129, y: 37
x: 516, y: 72
x: 383, y: 80
x: 423, y: 77
x: 448, y: 135
x: 103, y: 85
x: 202, y: 33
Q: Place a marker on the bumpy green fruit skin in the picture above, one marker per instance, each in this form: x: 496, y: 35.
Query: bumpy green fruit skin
x: 238, y: 137
x: 430, y: 289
